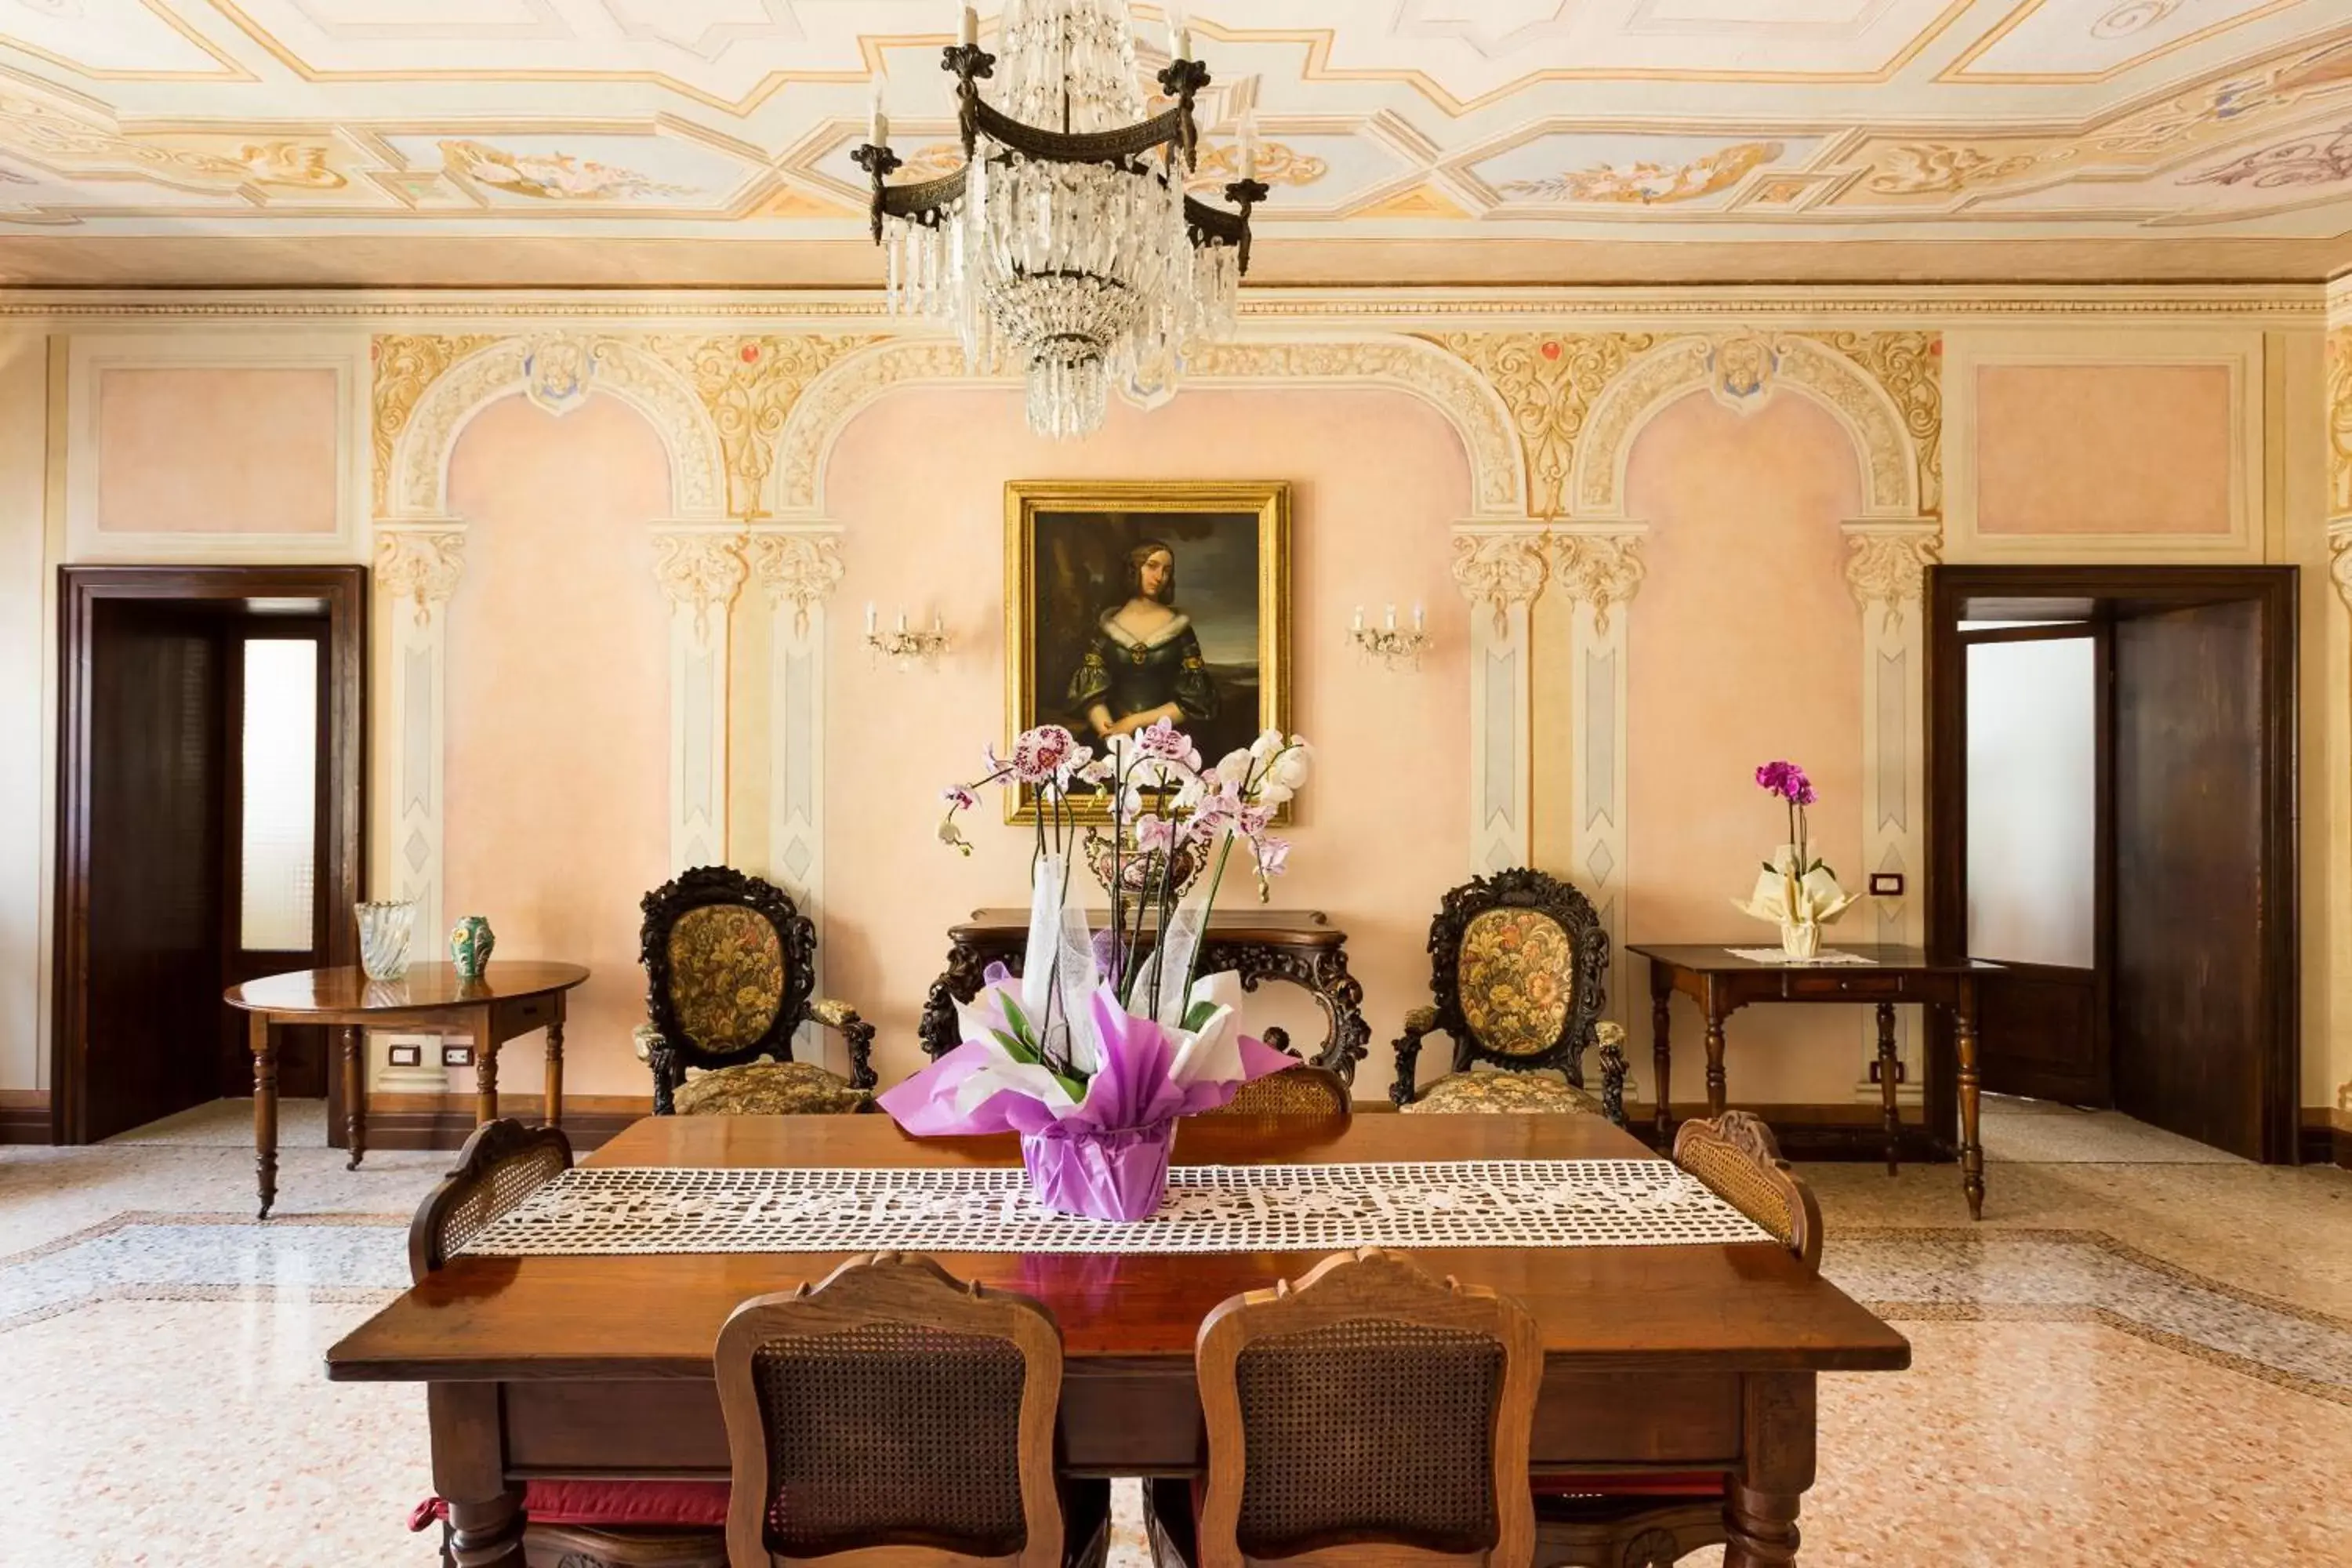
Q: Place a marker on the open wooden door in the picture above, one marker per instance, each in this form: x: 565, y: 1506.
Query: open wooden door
x: 2173, y: 690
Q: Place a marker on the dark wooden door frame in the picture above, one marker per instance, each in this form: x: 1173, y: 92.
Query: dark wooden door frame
x: 343, y: 824
x: 1949, y: 590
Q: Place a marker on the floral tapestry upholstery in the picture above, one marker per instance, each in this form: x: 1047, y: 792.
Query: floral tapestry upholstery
x: 1492, y: 1092
x: 1517, y: 980
x: 769, y: 1089
x: 727, y: 976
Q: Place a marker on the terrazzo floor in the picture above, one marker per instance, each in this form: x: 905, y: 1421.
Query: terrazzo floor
x: 2143, y: 1355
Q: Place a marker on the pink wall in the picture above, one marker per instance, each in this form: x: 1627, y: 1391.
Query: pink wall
x: 213, y: 450
x: 1745, y: 646
x: 917, y: 481
x: 2104, y: 448
x: 558, y: 730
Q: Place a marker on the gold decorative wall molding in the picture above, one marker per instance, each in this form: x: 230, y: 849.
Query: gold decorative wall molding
x: 2340, y: 424
x: 403, y: 365
x: 1888, y: 565
x: 1744, y: 369
x: 701, y: 569
x: 1909, y: 367
x: 1548, y: 381
x: 749, y: 384
x: 421, y: 566
x: 1502, y: 569
x: 798, y: 568
x: 2339, y: 557
x: 1603, y: 570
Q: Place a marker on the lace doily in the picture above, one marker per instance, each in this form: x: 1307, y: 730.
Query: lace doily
x: 1775, y: 955
x: 641, y: 1210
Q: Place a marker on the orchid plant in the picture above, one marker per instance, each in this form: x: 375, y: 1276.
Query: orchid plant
x: 1797, y: 887
x: 1163, y: 798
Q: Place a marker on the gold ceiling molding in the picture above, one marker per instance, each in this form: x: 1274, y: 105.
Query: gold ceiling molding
x: 748, y: 384
x: 1549, y: 382
x: 404, y: 365
x: 2339, y: 431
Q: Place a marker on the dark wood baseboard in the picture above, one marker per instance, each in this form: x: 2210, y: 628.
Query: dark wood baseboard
x: 2326, y: 1137
x: 446, y: 1122
x: 24, y: 1115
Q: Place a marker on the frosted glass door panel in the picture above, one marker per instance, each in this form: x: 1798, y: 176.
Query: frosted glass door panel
x: 2033, y: 801
x: 280, y: 816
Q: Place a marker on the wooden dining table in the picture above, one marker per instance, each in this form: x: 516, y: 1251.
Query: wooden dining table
x: 1657, y: 1359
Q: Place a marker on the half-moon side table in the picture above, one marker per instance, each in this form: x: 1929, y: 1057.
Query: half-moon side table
x: 513, y: 997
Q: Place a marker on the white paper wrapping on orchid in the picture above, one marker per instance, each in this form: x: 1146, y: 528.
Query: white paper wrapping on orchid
x: 1783, y: 899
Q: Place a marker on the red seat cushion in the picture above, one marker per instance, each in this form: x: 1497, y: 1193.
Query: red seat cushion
x: 676, y: 1503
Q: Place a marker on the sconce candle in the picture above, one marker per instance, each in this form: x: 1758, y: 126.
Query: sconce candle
x: 1392, y: 647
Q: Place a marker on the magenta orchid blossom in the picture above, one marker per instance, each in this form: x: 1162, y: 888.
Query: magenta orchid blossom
x: 1792, y: 785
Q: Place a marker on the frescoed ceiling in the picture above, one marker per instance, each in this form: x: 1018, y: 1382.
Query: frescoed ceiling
x: 1442, y: 141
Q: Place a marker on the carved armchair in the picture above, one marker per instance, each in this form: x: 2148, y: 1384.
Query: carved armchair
x: 1517, y: 962
x: 729, y: 968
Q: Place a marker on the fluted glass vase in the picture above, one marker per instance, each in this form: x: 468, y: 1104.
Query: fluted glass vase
x: 385, y: 929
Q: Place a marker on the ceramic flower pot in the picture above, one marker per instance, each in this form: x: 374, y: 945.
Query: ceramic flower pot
x: 470, y: 941
x: 1801, y: 940
x: 1139, y: 872
x: 1120, y: 1175
x: 385, y: 929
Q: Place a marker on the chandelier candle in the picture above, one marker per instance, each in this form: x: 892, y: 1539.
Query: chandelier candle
x: 1065, y: 242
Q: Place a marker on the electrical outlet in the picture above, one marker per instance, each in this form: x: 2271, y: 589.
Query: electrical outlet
x: 457, y: 1056
x: 1887, y: 884
x: 409, y: 1056
x: 1902, y: 1072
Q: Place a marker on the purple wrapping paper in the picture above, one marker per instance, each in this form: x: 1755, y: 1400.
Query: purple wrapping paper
x: 1119, y: 1175
x: 1105, y: 1156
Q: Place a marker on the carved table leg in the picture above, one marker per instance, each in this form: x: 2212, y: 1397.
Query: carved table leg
x: 486, y: 1515
x: 485, y: 1067
x: 1889, y: 1070
x: 938, y: 1029
x: 1759, y: 1508
x: 1662, y: 992
x: 1964, y: 1029
x: 264, y: 1110
x: 355, y: 1093
x: 554, y: 1117
x: 1716, y: 1013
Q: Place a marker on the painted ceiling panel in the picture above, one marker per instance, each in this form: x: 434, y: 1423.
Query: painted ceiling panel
x: 1520, y: 122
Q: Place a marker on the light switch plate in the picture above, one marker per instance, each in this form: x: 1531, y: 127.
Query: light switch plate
x: 457, y: 1056
x: 410, y: 1056
x: 1887, y: 884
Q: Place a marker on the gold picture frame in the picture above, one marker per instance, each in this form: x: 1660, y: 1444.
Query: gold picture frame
x: 1067, y: 576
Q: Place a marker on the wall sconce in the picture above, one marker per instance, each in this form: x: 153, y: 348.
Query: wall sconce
x: 1391, y: 645
x: 902, y: 648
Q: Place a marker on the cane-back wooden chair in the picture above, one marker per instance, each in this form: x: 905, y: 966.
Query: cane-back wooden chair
x: 1518, y: 977
x: 893, y: 1408
x: 1302, y: 1090
x: 1641, y: 1520
x: 1368, y: 1415
x: 731, y: 974
x: 569, y: 1524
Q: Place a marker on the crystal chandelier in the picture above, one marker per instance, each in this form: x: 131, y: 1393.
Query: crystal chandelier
x: 1064, y: 242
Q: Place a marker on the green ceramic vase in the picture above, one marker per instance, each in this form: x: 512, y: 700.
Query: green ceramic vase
x: 470, y: 941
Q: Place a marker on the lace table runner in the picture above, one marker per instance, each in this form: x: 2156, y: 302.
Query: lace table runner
x: 632, y: 1210
x: 1775, y: 955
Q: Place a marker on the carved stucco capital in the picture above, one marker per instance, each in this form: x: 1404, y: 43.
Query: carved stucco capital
x: 801, y: 569
x: 1603, y: 570
x: 2340, y: 556
x: 421, y: 566
x: 1500, y: 570
x: 1887, y: 563
x: 700, y: 570
x: 2339, y: 429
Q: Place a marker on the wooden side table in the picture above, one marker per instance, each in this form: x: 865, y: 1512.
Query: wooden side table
x: 513, y: 997
x: 1721, y: 983
x: 1299, y: 946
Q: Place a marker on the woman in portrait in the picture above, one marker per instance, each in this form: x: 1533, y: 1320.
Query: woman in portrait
x: 1142, y: 662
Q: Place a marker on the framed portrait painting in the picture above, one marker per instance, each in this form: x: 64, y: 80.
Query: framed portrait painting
x: 1126, y: 603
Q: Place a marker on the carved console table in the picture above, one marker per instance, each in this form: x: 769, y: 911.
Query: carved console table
x: 1297, y: 945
